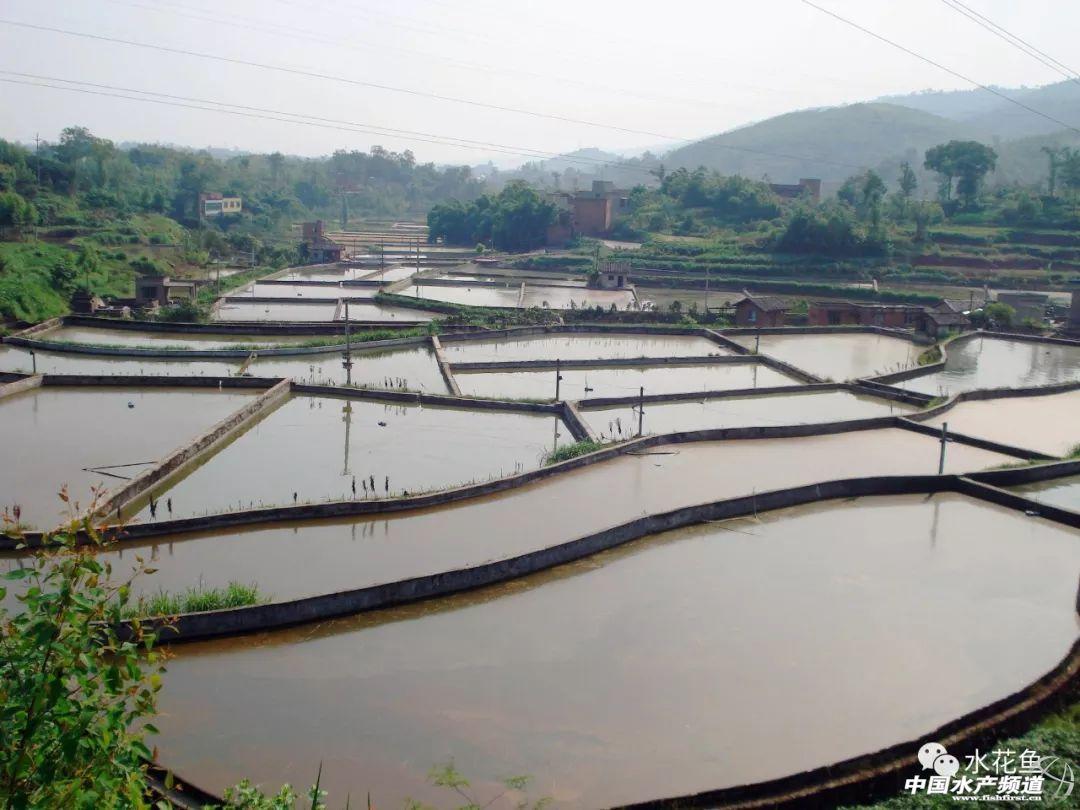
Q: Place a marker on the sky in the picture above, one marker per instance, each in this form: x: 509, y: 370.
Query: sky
x: 614, y: 74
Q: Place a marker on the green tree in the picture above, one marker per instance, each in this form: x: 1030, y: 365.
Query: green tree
x: 16, y: 214
x: 1000, y: 315
x: 88, y: 263
x: 908, y: 181
x: 966, y: 163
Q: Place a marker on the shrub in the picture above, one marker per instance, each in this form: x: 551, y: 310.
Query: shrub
x: 73, y: 692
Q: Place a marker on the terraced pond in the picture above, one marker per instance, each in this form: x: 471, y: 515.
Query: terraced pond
x: 407, y: 368
x: 404, y: 369
x: 368, y: 550
x: 536, y: 295
x: 1049, y: 424
x: 690, y: 660
x: 579, y: 346
x: 17, y: 359
x: 620, y: 382
x: 320, y: 448
x: 840, y: 356
x: 1063, y: 492
x: 302, y: 291
x: 984, y: 362
x: 94, y: 437
x: 127, y: 338
x: 729, y: 412
x: 253, y: 311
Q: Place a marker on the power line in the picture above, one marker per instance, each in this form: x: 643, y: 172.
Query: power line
x: 361, y: 126
x: 1013, y: 39
x: 314, y: 36
x: 940, y: 66
x: 411, y: 91
x: 294, y: 118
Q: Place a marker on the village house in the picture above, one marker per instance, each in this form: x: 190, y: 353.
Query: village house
x: 317, y: 247
x: 760, y: 311
x: 212, y: 204
x: 614, y: 276
x: 851, y: 313
x: 151, y: 291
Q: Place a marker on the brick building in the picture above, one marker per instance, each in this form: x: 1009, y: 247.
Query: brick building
x: 317, y: 247
x: 809, y: 186
x: 760, y: 311
x: 587, y: 213
x: 850, y: 313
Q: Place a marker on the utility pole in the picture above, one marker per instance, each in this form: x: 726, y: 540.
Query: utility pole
x: 37, y: 157
x: 944, y: 439
x: 347, y: 363
x: 641, y: 411
x: 347, y: 419
x: 706, y: 291
x: 558, y: 378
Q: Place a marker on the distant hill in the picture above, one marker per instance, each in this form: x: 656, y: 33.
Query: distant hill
x: 1007, y: 121
x: 875, y: 135
x: 986, y: 112
x: 956, y: 105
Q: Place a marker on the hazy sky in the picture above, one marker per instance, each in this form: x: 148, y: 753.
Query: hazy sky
x: 679, y: 69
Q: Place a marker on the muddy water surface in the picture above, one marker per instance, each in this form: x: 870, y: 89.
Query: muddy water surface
x: 165, y: 340
x: 1049, y: 424
x: 787, y: 409
x: 620, y: 382
x: 94, y: 437
x: 838, y: 356
x: 294, y: 560
x: 580, y: 347
x: 408, y: 368
x: 18, y: 359
x: 696, y: 659
x: 318, y: 448
x: 1063, y: 492
x: 999, y: 363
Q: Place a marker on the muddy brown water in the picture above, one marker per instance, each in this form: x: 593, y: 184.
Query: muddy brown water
x: 619, y: 382
x: 299, y: 292
x: 251, y: 311
x: 999, y: 363
x: 580, y: 347
x: 302, y: 559
x: 700, y: 658
x: 412, y: 368
x: 838, y: 356
x: 160, y: 340
x: 320, y: 447
x: 786, y: 409
x: 1063, y: 492
x: 1048, y: 424
x: 536, y: 295
x: 79, y: 437
x: 18, y: 359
